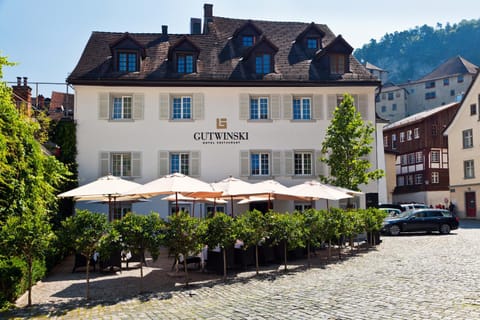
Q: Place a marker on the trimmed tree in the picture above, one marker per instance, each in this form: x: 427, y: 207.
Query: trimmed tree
x: 313, y: 229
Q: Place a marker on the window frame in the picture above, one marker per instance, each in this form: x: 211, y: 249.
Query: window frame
x: 127, y: 62
x: 435, y: 156
x: 125, y: 168
x: 473, y: 109
x: 121, y: 209
x: 185, y: 62
x: 258, y: 112
x: 261, y: 65
x: 304, y: 112
x: 126, y: 111
x: 185, y: 110
x: 416, y: 133
x: 303, y: 163
x: 257, y: 163
x: 183, y: 163
x: 338, y: 63
x: 435, y: 177
x: 250, y: 43
x: 469, y: 169
x: 467, y: 138
x: 402, y: 136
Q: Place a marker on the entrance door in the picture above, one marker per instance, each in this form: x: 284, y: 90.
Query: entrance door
x: 470, y: 204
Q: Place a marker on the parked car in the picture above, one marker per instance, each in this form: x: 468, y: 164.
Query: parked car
x: 391, y: 205
x: 392, y: 212
x: 421, y: 220
x: 411, y: 206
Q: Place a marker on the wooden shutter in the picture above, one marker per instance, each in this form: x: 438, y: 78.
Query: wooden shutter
x: 164, y: 106
x: 289, y: 163
x: 275, y: 106
x: 104, y: 164
x: 198, y: 106
x: 244, y: 106
x: 318, y: 112
x: 136, y: 164
x: 138, y: 106
x: 363, y: 105
x: 287, y: 106
x: 103, y: 106
x: 162, y: 163
x: 276, y: 163
x: 195, y: 163
x: 331, y: 105
x: 244, y: 167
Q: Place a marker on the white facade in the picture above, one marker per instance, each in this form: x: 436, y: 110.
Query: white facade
x: 229, y: 137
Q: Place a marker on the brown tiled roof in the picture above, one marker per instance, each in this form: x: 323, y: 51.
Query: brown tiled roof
x: 453, y: 66
x: 218, y: 60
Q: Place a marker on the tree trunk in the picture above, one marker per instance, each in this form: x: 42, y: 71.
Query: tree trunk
x: 30, y: 271
x: 141, y: 277
x: 308, y: 254
x: 87, y: 294
x: 224, y: 250
x: 285, y: 253
x: 256, y: 258
x: 329, y: 249
x: 186, y: 269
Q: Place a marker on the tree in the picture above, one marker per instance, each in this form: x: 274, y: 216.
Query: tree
x: 220, y: 231
x: 27, y: 236
x: 313, y: 225
x: 140, y: 233
x: 84, y: 231
x: 347, y: 143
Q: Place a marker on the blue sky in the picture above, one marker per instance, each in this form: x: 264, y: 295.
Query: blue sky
x: 47, y: 37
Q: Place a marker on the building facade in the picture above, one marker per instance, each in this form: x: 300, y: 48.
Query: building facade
x: 464, y: 154
x: 421, y: 156
x: 250, y: 99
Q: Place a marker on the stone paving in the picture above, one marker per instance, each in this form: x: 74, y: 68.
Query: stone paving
x: 420, y: 276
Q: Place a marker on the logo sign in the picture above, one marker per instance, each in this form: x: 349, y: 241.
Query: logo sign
x: 220, y: 137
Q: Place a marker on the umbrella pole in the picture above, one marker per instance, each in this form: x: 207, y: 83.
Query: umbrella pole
x: 176, y: 203
x: 214, y: 206
x: 231, y: 205
x: 269, y: 206
x: 109, y: 208
x: 193, y: 209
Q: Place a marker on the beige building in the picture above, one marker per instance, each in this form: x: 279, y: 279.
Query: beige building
x: 464, y: 154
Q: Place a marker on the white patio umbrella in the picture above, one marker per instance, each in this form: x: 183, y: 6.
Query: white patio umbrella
x: 176, y: 184
x: 233, y: 188
x: 108, y: 189
x: 315, y: 190
x: 274, y: 190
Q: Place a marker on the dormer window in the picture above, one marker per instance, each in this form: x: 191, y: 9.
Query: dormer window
x: 263, y: 64
x: 127, y: 62
x: 185, y: 63
x: 312, y: 43
x: 337, y: 63
x: 247, y: 40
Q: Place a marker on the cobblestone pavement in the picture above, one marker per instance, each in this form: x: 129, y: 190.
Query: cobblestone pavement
x: 421, y: 276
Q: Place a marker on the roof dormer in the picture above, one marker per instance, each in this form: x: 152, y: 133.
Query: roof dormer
x: 260, y: 58
x: 337, y: 53
x: 311, y: 38
x: 184, y: 55
x: 127, y: 54
x: 246, y: 36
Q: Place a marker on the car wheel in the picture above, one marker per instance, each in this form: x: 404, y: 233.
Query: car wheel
x: 394, y: 230
x: 444, y: 229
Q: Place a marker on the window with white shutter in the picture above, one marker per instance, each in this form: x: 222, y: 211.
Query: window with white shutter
x: 121, y: 164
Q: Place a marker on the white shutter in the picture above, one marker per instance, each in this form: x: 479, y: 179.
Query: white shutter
x: 331, y: 105
x: 275, y: 106
x: 138, y: 106
x: 104, y: 164
x: 198, y: 106
x: 363, y: 105
x: 319, y: 165
x: 244, y: 106
x: 195, y: 163
x: 136, y: 164
x: 318, y: 109
x: 103, y: 106
x: 287, y: 106
x: 162, y: 163
x: 164, y: 106
x: 289, y: 163
x: 276, y: 163
x: 244, y: 167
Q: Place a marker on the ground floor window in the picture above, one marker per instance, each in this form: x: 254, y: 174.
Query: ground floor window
x: 120, y: 210
x: 300, y: 207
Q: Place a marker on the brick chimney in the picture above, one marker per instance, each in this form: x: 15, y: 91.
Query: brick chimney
x: 207, y: 15
x: 22, y: 96
x: 164, y: 30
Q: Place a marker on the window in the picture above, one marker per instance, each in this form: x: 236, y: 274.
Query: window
x: 260, y: 164
x: 409, y: 135
x: 430, y: 84
x: 435, y: 177
x: 430, y: 95
x: 263, y: 64
x: 403, y: 159
x: 337, y: 64
x: 121, y: 164
x: 377, y: 98
x: 303, y: 163
x: 419, y: 156
x: 121, y: 209
x: 385, y: 141
x: 247, y: 41
x: 467, y: 138
x: 384, y: 109
x: 185, y: 63
x: 259, y: 108
x: 473, y: 109
x: 468, y: 169
x: 182, y: 207
x: 402, y: 136
x: 435, y: 156
x: 460, y: 79
x: 446, y: 82
x: 127, y: 62
x: 400, y: 181
x: 416, y: 133
x: 452, y: 93
x: 312, y: 43
x: 384, y: 96
x: 434, y: 130
x: 122, y: 108
x: 397, y: 94
x: 182, y: 108
x: 419, y: 178
x: 302, y: 108
x: 394, y: 107
x: 390, y: 96
x: 411, y: 158
x: 300, y: 207
x: 394, y: 141
x: 210, y: 209
x: 179, y: 162
x: 409, y: 180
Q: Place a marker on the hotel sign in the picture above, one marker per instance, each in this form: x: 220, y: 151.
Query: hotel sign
x: 220, y: 137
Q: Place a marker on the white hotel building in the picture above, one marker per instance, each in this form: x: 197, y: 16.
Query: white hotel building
x: 243, y: 98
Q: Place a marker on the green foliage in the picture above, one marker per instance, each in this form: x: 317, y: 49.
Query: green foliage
x: 346, y: 147
x: 10, y: 277
x: 220, y: 230
x: 286, y: 227
x: 372, y: 218
x: 410, y: 54
x: 314, y: 226
x: 252, y: 228
x: 184, y: 234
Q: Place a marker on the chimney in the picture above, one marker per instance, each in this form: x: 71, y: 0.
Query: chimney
x: 208, y: 16
x: 19, y: 81
x: 195, y: 26
x: 25, y: 82
x: 164, y: 30
x: 22, y: 96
